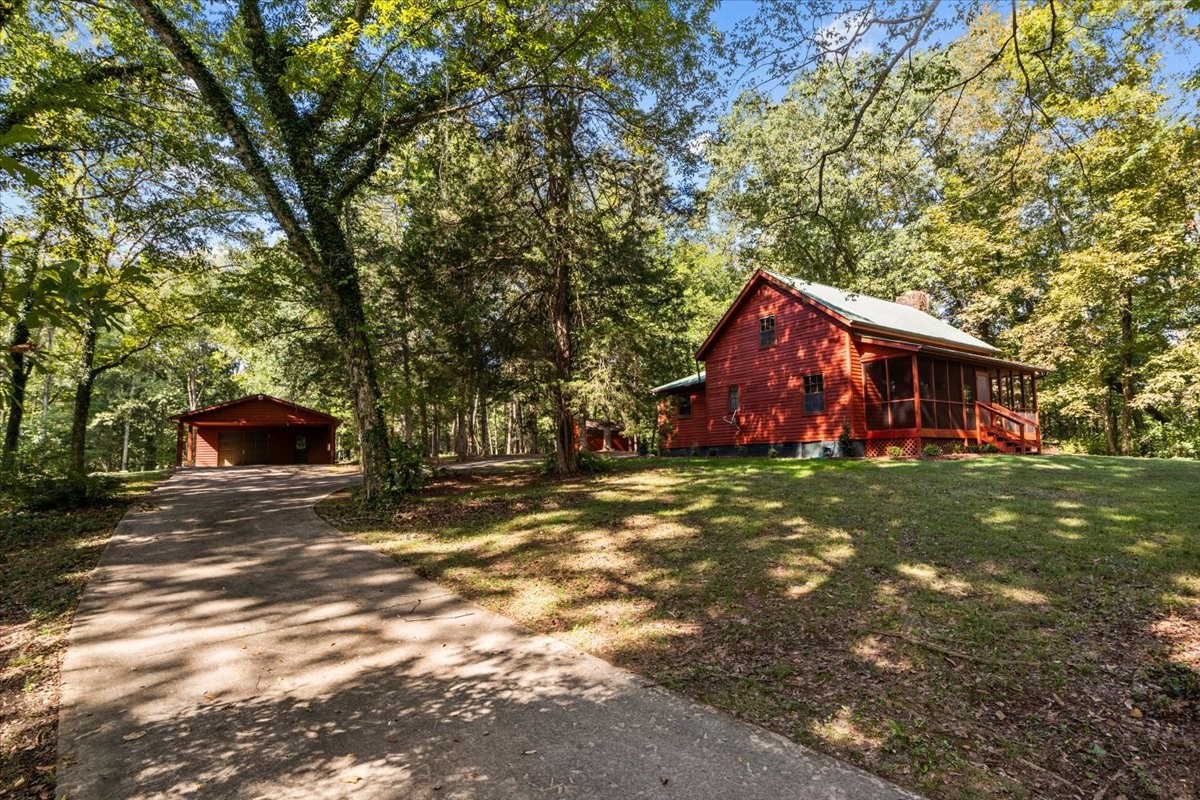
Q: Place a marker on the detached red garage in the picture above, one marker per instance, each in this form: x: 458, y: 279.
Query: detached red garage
x: 258, y: 429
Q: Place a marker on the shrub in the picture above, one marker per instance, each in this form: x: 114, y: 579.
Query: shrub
x: 931, y: 450
x: 712, y: 452
x: 845, y: 441
x: 772, y: 453
x: 586, y: 460
x: 988, y: 447
x: 694, y: 452
x: 895, y: 451
x: 955, y: 448
x: 48, y: 493
x: 740, y: 451
x: 408, y: 467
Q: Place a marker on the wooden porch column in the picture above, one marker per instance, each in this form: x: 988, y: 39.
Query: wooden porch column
x: 916, y: 393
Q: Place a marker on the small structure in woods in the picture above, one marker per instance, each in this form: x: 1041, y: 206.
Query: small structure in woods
x: 604, y: 436
x: 793, y: 361
x: 257, y: 429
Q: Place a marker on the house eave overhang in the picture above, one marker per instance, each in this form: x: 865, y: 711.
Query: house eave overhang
x: 954, y: 351
x: 196, y: 416
x: 682, y: 383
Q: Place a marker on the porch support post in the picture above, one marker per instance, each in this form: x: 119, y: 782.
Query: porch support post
x: 916, y: 393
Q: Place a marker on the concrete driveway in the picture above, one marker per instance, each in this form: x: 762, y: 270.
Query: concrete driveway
x: 231, y: 644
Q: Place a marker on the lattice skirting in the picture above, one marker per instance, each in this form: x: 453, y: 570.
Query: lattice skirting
x: 911, y: 445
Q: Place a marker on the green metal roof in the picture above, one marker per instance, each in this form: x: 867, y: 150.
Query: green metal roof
x: 682, y: 383
x: 884, y: 314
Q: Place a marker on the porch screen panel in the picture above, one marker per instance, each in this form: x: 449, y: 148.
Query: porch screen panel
x: 889, y: 393
x: 942, y: 401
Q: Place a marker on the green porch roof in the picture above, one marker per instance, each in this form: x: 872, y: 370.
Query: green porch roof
x: 883, y: 314
x: 682, y: 383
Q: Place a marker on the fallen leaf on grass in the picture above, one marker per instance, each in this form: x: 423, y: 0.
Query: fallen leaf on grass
x: 130, y: 737
x: 208, y: 698
x: 529, y: 752
x: 351, y: 779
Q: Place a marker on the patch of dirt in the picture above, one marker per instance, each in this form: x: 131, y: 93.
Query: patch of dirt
x: 29, y: 696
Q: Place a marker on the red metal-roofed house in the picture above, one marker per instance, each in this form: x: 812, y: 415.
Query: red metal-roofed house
x: 791, y: 361
x: 258, y: 429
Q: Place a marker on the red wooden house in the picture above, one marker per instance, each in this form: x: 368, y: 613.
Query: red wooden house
x: 792, y: 361
x: 258, y: 429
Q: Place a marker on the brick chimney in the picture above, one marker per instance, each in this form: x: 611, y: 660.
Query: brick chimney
x: 918, y: 300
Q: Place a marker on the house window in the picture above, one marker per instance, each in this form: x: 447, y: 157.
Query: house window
x: 685, y: 406
x: 766, y: 331
x: 735, y: 398
x: 814, y: 394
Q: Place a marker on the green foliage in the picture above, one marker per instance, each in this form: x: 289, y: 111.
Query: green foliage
x: 56, y: 493
x: 772, y: 453
x: 895, y: 451
x: 408, y: 467
x: 931, y: 450
x: 846, y: 441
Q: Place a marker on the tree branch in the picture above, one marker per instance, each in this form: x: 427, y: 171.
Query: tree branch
x: 220, y: 105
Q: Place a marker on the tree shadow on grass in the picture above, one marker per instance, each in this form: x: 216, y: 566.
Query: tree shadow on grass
x: 968, y: 627
x: 233, y: 645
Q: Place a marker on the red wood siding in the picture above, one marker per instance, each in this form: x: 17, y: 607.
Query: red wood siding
x: 771, y: 380
x: 259, y: 412
x: 687, y: 432
x: 281, y: 442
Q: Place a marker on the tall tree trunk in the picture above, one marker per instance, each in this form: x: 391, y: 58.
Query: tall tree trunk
x: 484, y: 432
x: 472, y: 447
x: 77, y: 451
x: 560, y: 123
x: 1110, y: 436
x: 1127, y: 374
x: 349, y: 320
x: 460, y: 434
x: 18, y: 380
x: 193, y: 389
x: 425, y: 428
x: 435, y: 444
x: 125, y: 446
x: 508, y: 433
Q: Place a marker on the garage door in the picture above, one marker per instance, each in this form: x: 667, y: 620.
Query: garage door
x: 242, y: 447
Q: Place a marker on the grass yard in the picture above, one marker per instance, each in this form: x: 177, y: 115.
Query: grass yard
x: 45, y: 560
x: 987, y: 627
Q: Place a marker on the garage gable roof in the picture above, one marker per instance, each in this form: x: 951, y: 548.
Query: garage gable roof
x: 293, y: 409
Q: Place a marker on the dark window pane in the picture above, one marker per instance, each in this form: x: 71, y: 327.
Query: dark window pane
x: 941, y: 385
x: 925, y: 376
x: 735, y: 398
x: 875, y: 373
x: 766, y: 331
x: 928, y: 415
x: 900, y: 375
x: 685, y: 406
x: 943, y: 415
x: 877, y: 416
x: 956, y: 384
x: 814, y: 394
x: 904, y: 414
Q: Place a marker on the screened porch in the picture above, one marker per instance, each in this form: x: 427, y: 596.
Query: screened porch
x: 947, y: 398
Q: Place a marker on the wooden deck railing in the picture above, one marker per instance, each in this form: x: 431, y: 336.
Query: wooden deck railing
x: 1010, y: 424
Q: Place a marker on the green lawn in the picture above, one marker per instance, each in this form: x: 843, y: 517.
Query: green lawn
x: 983, y: 627
x: 45, y: 560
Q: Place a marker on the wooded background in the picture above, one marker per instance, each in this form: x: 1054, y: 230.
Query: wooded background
x: 468, y: 226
